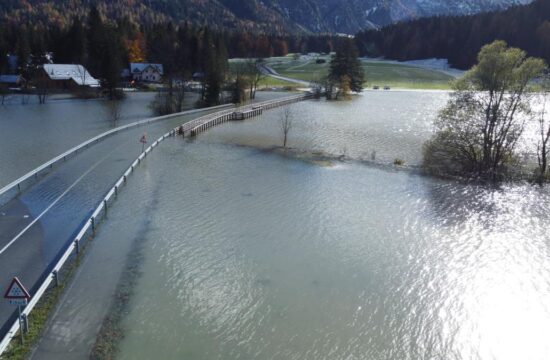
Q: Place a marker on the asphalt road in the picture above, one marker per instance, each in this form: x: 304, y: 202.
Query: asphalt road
x: 37, y: 225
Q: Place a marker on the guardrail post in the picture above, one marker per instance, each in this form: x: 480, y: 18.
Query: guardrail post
x: 116, y: 190
x: 77, y: 246
x: 22, y: 338
x: 105, y: 206
x: 25, y: 323
x: 19, y: 187
x: 55, y: 275
x: 93, y: 225
x: 125, y: 179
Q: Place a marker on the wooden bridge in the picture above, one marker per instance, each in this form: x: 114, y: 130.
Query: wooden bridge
x: 203, y: 123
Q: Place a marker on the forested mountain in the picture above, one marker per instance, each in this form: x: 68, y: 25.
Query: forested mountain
x: 459, y: 38
x: 275, y: 16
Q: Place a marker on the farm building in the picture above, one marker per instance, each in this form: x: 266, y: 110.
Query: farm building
x: 66, y: 77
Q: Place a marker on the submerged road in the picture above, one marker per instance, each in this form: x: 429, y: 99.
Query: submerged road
x: 39, y: 223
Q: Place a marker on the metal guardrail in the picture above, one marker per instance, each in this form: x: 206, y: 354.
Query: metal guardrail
x: 74, y: 246
x: 17, y: 184
x: 91, y: 223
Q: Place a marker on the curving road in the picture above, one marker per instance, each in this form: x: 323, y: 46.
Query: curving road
x: 38, y: 224
x: 267, y: 70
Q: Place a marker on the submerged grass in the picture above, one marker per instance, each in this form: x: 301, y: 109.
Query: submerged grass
x: 112, y: 330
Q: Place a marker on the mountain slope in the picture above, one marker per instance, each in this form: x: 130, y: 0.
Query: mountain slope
x: 343, y: 16
x: 459, y: 38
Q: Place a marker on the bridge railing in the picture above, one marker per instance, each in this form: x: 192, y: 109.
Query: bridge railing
x: 14, y: 188
x: 91, y: 223
x: 203, y: 123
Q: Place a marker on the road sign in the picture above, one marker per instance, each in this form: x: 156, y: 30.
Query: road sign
x: 143, y: 141
x: 18, y: 302
x: 18, y: 295
x: 16, y: 291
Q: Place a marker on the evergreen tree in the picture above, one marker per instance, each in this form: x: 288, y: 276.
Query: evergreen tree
x: 111, y: 61
x: 23, y: 52
x: 346, y: 70
x: 215, y: 55
x: 96, y: 41
x: 76, y: 43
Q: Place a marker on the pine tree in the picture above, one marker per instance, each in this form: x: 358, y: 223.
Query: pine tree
x: 345, y: 64
x: 76, y: 43
x: 95, y: 41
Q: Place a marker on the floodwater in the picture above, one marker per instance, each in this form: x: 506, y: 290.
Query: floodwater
x: 32, y: 134
x: 383, y: 125
x: 251, y: 255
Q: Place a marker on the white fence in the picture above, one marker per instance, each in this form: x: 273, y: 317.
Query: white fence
x: 90, y: 225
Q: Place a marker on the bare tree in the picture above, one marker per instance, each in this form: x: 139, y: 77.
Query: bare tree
x: 179, y: 95
x: 169, y: 102
x: 286, y: 124
x: 42, y: 89
x: 544, y: 132
x: 25, y: 97
x: 240, y: 72
x: 255, y: 74
x: 3, y: 93
x: 114, y: 111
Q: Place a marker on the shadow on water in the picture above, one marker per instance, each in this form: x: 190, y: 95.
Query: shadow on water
x: 112, y: 330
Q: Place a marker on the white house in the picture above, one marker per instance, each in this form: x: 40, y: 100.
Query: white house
x: 146, y: 72
x: 68, y: 76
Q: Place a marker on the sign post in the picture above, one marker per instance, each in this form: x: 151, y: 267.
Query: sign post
x: 18, y: 295
x: 143, y: 141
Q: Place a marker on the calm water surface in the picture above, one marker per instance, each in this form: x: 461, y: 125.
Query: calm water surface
x: 249, y: 255
x: 392, y: 124
x: 33, y: 134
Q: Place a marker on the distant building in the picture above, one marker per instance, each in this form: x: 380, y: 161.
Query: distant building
x: 144, y: 72
x: 67, y: 76
x: 12, y: 80
x: 198, y: 76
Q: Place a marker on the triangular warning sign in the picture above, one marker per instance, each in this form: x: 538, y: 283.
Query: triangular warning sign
x: 16, y: 290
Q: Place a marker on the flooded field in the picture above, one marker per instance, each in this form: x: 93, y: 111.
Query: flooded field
x: 251, y: 255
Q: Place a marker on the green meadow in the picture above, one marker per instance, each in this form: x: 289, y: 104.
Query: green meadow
x: 378, y: 73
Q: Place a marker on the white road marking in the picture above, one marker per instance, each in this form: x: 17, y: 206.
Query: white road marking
x: 52, y: 204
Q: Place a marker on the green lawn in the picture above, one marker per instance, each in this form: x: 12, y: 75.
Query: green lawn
x: 267, y: 81
x: 377, y: 73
